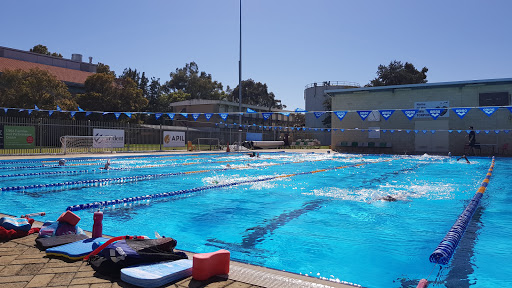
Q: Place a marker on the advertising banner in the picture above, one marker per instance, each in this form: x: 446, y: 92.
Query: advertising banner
x: 105, y: 143
x: 174, y: 139
x: 19, y: 137
x: 1, y: 136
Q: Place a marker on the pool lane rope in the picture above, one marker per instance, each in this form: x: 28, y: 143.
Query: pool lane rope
x: 103, y: 204
x: 444, y: 251
x: 129, y: 179
x: 446, y: 248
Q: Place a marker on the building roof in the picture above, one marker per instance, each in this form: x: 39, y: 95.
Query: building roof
x: 62, y: 74
x: 423, y: 86
x: 194, y: 102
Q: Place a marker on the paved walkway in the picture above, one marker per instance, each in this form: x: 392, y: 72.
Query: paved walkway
x: 24, y: 265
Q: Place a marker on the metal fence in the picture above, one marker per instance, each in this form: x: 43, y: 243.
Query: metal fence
x: 142, y: 137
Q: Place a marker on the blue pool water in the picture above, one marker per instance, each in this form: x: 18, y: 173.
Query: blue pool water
x: 328, y: 224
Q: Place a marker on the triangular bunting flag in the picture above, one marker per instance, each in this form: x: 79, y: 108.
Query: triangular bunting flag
x: 461, y: 112
x: 435, y: 112
x: 285, y: 113
x: 299, y: 110
x: 29, y: 111
x: 509, y: 109
x: 408, y: 131
x: 224, y: 116
x: 409, y: 113
x: 117, y: 114
x: 87, y: 113
x: 489, y: 110
x: 50, y: 112
x: 171, y: 115
x: 266, y: 115
x: 496, y: 131
x: 487, y: 131
x: 58, y: 108
x: 195, y: 116
x: 80, y: 109
x: 364, y: 114
x: 5, y: 110
x: 249, y: 110
x: 36, y: 108
x: 318, y: 114
x: 208, y: 116
x: 129, y: 114
x: 72, y: 113
x: 432, y: 131
x: 340, y: 114
x: 158, y: 115
x: 184, y: 115
x: 386, y: 113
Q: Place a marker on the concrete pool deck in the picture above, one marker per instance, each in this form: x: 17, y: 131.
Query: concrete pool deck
x: 24, y: 265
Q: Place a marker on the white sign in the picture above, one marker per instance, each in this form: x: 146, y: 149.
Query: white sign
x: 105, y: 143
x: 174, y: 139
x: 422, y: 113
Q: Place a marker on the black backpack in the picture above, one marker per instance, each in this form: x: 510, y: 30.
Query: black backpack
x: 125, y: 253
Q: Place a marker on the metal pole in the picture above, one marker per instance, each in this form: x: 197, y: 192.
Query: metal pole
x: 240, y: 83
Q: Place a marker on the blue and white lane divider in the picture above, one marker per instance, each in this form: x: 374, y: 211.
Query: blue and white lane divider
x: 46, y: 173
x: 444, y: 251
x: 136, y: 178
x: 103, y: 204
x: 102, y: 181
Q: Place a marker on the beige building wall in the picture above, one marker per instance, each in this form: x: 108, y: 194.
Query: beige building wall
x: 462, y: 94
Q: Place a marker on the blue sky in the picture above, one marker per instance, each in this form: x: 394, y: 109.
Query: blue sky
x: 286, y: 44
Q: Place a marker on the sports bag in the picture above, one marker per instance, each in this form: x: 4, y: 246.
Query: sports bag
x: 124, y: 253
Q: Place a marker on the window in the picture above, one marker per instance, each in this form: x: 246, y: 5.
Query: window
x: 494, y: 99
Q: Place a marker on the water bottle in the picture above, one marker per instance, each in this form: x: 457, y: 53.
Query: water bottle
x: 97, y: 227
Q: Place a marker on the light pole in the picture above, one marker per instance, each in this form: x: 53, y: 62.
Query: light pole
x: 240, y: 83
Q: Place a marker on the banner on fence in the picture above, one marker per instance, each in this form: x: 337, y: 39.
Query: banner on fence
x: 1, y: 136
x: 19, y: 137
x: 105, y: 143
x: 174, y: 139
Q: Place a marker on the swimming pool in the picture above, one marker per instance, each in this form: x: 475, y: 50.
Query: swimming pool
x: 274, y: 212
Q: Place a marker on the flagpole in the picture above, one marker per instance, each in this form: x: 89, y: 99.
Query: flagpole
x: 240, y: 84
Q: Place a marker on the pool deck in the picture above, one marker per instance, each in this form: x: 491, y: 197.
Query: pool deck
x: 22, y: 264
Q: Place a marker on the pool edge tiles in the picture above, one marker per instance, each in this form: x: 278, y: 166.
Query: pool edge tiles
x: 239, y: 272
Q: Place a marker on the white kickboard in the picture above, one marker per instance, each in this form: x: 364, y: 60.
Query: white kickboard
x: 157, y: 274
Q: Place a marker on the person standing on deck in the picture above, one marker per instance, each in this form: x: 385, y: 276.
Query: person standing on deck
x: 472, y: 140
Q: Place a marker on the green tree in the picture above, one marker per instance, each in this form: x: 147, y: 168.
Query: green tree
x: 141, y: 80
x: 24, y: 89
x: 105, y: 92
x: 105, y: 69
x: 199, y: 85
x: 256, y: 93
x: 397, y: 73
x: 41, y: 49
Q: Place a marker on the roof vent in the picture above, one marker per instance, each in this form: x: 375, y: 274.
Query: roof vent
x: 76, y: 57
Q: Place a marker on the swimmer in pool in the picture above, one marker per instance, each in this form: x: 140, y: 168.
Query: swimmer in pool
x: 464, y: 157
x: 389, y: 198
x: 62, y: 162
x: 107, y: 165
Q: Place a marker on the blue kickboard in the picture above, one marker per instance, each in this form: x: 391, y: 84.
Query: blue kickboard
x: 76, y: 250
x: 157, y: 274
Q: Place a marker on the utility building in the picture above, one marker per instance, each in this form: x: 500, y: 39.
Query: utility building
x: 435, y: 127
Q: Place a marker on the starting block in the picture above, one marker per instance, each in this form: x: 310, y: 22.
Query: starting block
x: 206, y: 265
